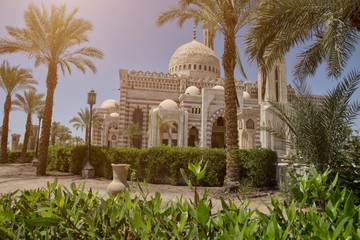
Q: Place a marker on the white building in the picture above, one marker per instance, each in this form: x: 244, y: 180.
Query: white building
x: 192, y: 94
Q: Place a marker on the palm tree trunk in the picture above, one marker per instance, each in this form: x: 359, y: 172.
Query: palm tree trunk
x: 232, y: 161
x: 5, y: 129
x: 355, y: 18
x: 51, y: 82
x: 26, y: 138
x: 86, y: 135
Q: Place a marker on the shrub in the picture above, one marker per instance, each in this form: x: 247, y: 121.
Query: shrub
x: 54, y: 212
x: 14, y: 156
x: 258, y: 166
x: 162, y: 164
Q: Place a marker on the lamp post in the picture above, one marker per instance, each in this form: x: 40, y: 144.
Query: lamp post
x: 40, y: 115
x: 88, y: 171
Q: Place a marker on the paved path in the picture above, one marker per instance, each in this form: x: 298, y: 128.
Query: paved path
x: 22, y: 176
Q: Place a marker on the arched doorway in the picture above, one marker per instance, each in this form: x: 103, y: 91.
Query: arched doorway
x: 218, y: 133
x: 193, y: 137
x: 138, y: 119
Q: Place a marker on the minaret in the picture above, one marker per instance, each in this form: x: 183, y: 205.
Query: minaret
x: 275, y: 83
x: 208, y: 35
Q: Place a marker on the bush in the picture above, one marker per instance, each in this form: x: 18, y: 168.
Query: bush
x: 14, y: 156
x: 162, y: 164
x: 75, y: 214
x: 258, y: 166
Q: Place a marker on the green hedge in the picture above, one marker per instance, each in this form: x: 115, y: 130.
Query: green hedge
x: 162, y: 164
x: 14, y: 156
x: 259, y: 166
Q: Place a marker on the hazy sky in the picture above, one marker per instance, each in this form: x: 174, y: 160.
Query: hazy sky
x: 125, y: 31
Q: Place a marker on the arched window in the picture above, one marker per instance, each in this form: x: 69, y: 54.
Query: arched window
x: 184, y: 67
x: 194, y: 66
x: 250, y: 124
x: 193, y: 137
x: 199, y: 67
x: 277, y: 78
x: 138, y: 119
x: 180, y: 68
x: 189, y: 66
x: 220, y: 121
x: 176, y: 68
x: 204, y: 67
x: 240, y: 124
x: 213, y: 69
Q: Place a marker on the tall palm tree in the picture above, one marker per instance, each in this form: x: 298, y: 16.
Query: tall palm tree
x: 320, y: 131
x: 131, y: 131
x: 227, y: 17
x: 54, y: 132
x: 329, y: 30
x: 30, y: 103
x: 164, y: 125
x: 83, y: 120
x: 78, y: 140
x: 59, y: 134
x: 53, y: 40
x: 12, y: 80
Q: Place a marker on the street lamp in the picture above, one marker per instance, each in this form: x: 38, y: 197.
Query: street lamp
x: 40, y: 115
x: 88, y: 171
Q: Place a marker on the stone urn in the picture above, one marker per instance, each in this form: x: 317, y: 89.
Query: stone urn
x: 119, y: 183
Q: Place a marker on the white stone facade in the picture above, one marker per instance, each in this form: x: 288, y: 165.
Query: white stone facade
x: 192, y: 94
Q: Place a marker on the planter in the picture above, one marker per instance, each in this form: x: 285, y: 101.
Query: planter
x: 119, y: 183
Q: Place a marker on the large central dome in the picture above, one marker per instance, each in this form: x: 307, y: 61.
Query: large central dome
x: 196, y: 60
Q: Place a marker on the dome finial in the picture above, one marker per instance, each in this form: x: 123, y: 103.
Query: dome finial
x: 194, y: 31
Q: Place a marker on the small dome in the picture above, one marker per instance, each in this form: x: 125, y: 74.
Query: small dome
x: 192, y: 90
x: 168, y: 104
x: 196, y: 60
x: 246, y: 95
x: 114, y: 114
x: 218, y: 87
x: 110, y: 103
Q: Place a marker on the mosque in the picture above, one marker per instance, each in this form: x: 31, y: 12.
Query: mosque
x: 192, y: 94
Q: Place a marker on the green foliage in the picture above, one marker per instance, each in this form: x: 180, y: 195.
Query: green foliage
x: 258, y: 166
x: 14, y: 156
x: 55, y: 212
x: 321, y: 133
x: 163, y: 163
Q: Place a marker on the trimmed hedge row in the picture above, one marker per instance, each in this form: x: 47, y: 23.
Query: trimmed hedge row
x: 161, y: 163
x: 14, y: 156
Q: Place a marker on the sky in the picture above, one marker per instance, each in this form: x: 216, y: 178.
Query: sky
x: 126, y: 32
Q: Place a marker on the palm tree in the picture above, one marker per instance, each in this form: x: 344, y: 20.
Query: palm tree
x: 320, y: 131
x: 78, y: 140
x: 53, y: 40
x: 164, y: 125
x: 83, y: 120
x: 30, y: 103
x: 63, y: 136
x: 328, y: 28
x: 131, y: 131
x: 54, y: 132
x: 12, y: 80
x: 227, y: 17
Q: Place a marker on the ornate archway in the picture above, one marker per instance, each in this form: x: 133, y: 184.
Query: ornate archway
x: 138, y: 119
x: 218, y: 133
x: 193, y: 138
